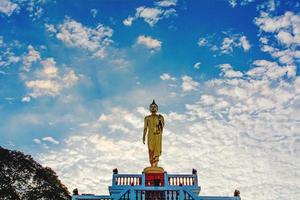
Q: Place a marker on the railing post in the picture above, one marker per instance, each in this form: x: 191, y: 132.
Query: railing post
x: 113, y: 180
x: 115, y: 171
x: 166, y: 179
x: 131, y: 194
x: 143, y: 179
x: 194, y: 171
x: 181, y: 194
x: 196, y: 179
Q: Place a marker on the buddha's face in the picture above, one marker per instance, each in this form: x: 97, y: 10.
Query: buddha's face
x: 153, y: 108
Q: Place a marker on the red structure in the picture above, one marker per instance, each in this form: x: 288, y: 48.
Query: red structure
x: 154, y: 179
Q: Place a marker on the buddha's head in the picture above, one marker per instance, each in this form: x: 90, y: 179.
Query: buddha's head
x: 153, y: 107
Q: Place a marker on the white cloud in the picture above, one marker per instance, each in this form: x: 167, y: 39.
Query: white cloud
x: 197, y: 65
x: 7, y: 7
x: 271, y: 70
x: 149, y: 42
x: 268, y: 6
x: 120, y: 62
x: 69, y: 78
x: 244, y: 43
x: 173, y: 116
x: 51, y: 28
x: 128, y: 21
x: 214, y: 48
x: 202, y: 42
x: 285, y: 38
x: 285, y: 29
x: 264, y: 40
x: 118, y: 128
x: 48, y: 80
x: 13, y: 59
x: 169, y: 13
x: 102, y: 118
x: 229, y: 42
x: 285, y: 56
x: 26, y: 99
x: 188, y: 84
x: 8, y: 57
x: 274, y: 24
x: 43, y: 88
x: 50, y: 139
x: 31, y: 57
x: 227, y: 45
x: 234, y: 3
x: 142, y: 111
x: 49, y: 70
x: 166, y: 3
x: 37, y: 141
x: 207, y: 99
x: 75, y: 34
x: 228, y: 72
x: 152, y: 15
x: 234, y: 41
x: 166, y: 76
x: 84, y: 124
x: 33, y: 8
x: 93, y: 149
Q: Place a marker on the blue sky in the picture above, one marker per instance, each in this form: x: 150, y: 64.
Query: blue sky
x: 77, y: 77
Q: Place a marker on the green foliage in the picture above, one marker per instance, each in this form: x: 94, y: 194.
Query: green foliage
x: 22, y: 178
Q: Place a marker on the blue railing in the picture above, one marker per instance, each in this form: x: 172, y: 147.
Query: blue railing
x: 169, y: 180
x: 127, y: 179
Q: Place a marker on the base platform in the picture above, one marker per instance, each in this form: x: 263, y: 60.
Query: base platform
x: 154, y: 184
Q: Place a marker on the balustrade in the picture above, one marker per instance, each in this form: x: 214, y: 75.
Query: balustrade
x: 181, y: 180
x: 127, y: 179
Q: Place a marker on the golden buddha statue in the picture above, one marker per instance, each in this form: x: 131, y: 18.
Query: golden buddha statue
x: 153, y: 128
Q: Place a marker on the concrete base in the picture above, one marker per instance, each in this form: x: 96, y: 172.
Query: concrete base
x: 154, y: 170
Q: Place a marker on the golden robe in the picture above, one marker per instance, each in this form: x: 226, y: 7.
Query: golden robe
x: 154, y: 124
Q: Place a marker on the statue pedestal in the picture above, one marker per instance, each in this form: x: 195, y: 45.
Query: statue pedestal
x: 151, y: 170
x: 154, y: 176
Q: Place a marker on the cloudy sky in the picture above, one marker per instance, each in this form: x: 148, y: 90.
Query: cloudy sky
x: 77, y: 77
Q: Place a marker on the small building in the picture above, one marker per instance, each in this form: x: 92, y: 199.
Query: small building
x: 154, y: 186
